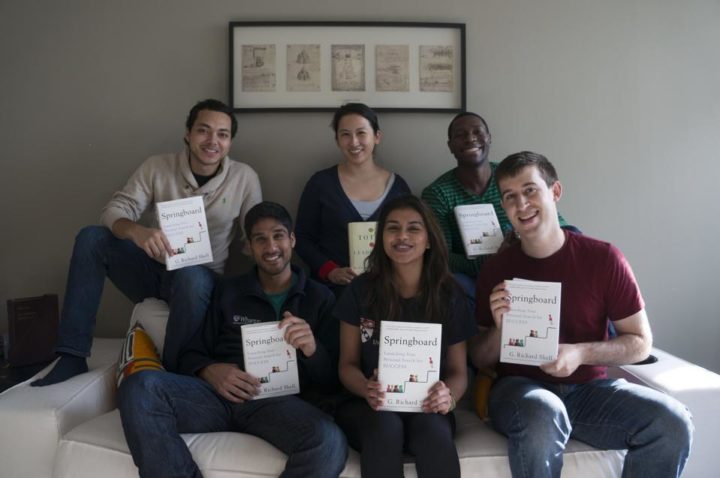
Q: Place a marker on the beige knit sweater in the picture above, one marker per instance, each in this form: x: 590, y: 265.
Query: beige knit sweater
x: 227, y: 197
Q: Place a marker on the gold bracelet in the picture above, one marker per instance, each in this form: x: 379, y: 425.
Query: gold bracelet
x: 452, y: 403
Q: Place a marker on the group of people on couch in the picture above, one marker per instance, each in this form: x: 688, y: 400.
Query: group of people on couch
x: 417, y: 272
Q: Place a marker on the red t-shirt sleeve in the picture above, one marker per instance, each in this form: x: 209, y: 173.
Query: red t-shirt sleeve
x: 623, y: 297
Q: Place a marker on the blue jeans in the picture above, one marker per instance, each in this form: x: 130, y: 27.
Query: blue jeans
x: 99, y: 254
x: 539, y: 418
x: 156, y: 407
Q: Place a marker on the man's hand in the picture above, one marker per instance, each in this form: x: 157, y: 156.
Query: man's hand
x: 569, y: 358
x: 152, y: 241
x: 298, y: 334
x: 374, y: 394
x: 439, y: 399
x: 499, y: 303
x: 341, y: 275
x: 230, y: 382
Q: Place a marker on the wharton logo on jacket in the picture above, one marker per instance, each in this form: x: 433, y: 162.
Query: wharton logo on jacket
x: 238, y: 319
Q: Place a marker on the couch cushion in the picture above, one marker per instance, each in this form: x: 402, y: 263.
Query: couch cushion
x: 99, y: 444
x: 44, y: 414
x: 153, y: 314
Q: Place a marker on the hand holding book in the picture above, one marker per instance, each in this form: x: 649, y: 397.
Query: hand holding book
x: 375, y: 395
x: 499, y: 303
x: 152, y: 241
x: 341, y: 275
x: 230, y: 382
x: 439, y: 399
x: 298, y: 334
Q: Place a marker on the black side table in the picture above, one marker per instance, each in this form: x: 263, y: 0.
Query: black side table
x: 10, y: 376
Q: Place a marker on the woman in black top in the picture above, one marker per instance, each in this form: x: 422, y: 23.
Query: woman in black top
x: 407, y: 280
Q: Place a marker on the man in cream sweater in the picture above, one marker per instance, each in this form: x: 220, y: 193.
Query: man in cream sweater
x: 131, y: 254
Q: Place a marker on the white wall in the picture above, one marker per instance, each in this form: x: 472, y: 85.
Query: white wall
x: 621, y: 95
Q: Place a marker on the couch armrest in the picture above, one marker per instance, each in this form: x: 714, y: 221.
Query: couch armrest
x: 34, y: 418
x: 697, y: 388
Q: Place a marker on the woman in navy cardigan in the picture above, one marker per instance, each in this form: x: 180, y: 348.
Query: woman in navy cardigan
x: 351, y: 191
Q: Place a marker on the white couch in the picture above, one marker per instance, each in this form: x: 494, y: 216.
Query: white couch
x: 72, y: 429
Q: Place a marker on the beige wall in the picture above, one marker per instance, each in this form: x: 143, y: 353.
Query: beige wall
x: 620, y: 95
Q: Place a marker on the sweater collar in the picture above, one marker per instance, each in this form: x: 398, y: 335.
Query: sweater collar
x: 210, y: 186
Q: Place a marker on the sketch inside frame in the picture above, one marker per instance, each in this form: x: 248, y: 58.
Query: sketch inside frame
x: 258, y: 68
x: 348, y: 67
x: 436, y: 68
x: 392, y: 67
x: 303, y: 67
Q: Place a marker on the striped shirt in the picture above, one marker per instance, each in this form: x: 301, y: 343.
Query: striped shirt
x: 446, y: 192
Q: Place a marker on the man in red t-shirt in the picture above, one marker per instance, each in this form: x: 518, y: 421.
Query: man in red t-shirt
x: 540, y: 408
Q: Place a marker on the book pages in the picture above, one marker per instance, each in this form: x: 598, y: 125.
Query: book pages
x: 185, y: 226
x: 531, y: 329
x: 409, y: 363
x: 269, y: 358
x: 479, y: 228
x: 361, y: 241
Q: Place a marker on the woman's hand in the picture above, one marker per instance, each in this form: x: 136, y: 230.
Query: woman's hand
x: 439, y: 399
x: 341, y: 275
x: 374, y: 395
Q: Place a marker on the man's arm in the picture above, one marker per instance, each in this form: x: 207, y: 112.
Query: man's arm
x: 125, y: 207
x: 633, y: 344
x: 152, y: 241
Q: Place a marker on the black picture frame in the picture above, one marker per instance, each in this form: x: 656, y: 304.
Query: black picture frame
x: 317, y: 66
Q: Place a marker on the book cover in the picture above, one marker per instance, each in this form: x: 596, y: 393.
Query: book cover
x: 32, y: 329
x: 185, y: 226
x: 269, y: 358
x: 361, y: 241
x: 479, y: 228
x: 409, y: 363
x: 531, y: 329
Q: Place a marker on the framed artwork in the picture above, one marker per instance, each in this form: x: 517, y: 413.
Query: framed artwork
x: 318, y: 66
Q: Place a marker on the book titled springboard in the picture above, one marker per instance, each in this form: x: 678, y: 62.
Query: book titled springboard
x: 479, y: 228
x: 409, y: 363
x: 184, y: 223
x: 361, y: 241
x: 271, y: 359
x: 531, y: 329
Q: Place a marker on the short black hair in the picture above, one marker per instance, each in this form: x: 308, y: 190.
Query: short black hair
x: 264, y: 210
x: 212, y: 105
x: 511, y: 166
x: 463, y: 114
x: 355, y: 109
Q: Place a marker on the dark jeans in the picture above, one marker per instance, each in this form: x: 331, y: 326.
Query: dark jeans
x: 99, y: 254
x: 539, y: 418
x: 382, y: 437
x: 156, y: 407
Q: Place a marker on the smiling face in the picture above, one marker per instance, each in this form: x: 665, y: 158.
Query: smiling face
x: 530, y: 204
x: 209, y: 141
x: 469, y: 141
x: 271, y: 245
x: 405, y: 237
x: 356, y: 139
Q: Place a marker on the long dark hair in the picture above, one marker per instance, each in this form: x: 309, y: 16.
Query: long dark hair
x: 436, y: 282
